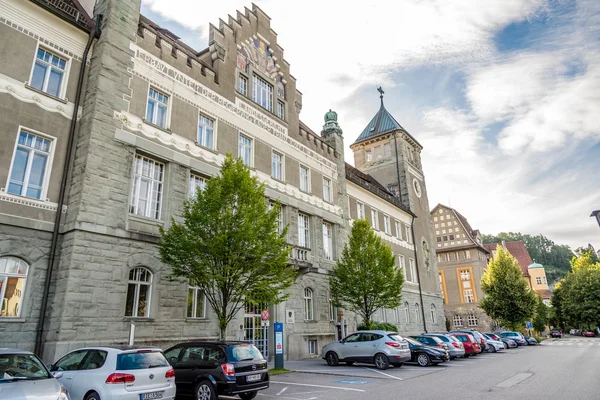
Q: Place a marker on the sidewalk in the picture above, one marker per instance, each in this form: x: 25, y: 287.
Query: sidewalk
x: 319, y: 366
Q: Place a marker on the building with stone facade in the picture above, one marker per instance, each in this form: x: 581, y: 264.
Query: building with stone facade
x: 462, y: 260
x: 155, y: 121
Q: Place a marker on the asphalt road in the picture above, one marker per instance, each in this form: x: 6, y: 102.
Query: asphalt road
x: 558, y: 369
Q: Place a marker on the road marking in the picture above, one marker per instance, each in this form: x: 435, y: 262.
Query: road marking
x: 319, y: 386
x: 453, y: 365
x: 282, y: 390
x: 514, y: 380
x: 388, y: 375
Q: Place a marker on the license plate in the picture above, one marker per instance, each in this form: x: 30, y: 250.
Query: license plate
x: 151, y: 395
x: 253, y: 378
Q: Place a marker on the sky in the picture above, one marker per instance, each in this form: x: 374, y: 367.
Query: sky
x: 503, y: 95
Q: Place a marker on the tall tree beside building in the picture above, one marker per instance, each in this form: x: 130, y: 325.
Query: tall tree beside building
x: 540, y: 319
x: 507, y: 299
x: 228, y: 244
x: 365, y: 277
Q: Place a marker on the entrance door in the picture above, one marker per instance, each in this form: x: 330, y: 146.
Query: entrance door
x: 253, y: 331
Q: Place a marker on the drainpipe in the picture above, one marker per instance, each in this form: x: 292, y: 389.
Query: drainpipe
x: 412, y: 230
x: 397, y: 167
x: 39, y: 345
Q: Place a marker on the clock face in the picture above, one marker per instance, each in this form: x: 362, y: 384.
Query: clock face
x: 417, y: 187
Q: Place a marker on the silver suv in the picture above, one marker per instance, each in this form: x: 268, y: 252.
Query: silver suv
x: 381, y: 348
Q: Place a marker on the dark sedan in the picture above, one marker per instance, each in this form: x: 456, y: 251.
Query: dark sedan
x: 426, y: 355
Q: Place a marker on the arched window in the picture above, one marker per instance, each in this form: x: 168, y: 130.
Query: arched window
x: 13, y: 275
x: 432, y: 310
x: 417, y: 313
x: 406, y: 312
x: 308, y: 304
x: 139, y: 293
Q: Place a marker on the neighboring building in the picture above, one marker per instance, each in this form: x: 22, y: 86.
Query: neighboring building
x: 533, y: 273
x: 156, y: 121
x: 462, y: 260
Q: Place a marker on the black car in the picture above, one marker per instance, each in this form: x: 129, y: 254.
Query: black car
x: 426, y: 355
x: 205, y: 370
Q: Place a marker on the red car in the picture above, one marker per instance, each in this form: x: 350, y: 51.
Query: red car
x: 556, y: 334
x: 589, y: 334
x: 470, y: 344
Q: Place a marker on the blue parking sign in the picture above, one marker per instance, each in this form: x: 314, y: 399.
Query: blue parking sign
x: 528, y: 324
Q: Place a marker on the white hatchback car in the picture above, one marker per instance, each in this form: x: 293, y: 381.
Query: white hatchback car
x: 111, y: 373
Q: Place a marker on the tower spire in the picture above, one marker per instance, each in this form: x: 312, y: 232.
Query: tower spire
x: 381, y: 92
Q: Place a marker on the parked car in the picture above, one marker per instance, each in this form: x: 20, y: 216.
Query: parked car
x: 556, y: 334
x: 516, y: 336
x: 470, y: 344
x: 589, y: 333
x: 477, y: 335
x: 455, y: 347
x: 493, y: 344
x: 205, y: 370
x: 381, y: 348
x: 425, y: 355
x: 432, y: 341
x: 111, y: 373
x: 531, y: 341
x: 24, y: 376
x: 509, y: 343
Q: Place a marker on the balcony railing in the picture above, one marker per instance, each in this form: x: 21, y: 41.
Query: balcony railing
x: 66, y: 9
x: 301, y: 257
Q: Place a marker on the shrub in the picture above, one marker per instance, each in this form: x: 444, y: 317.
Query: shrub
x: 378, y: 326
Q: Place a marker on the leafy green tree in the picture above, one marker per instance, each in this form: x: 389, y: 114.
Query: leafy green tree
x: 557, y: 317
x: 228, y: 244
x: 365, y: 277
x: 540, y: 319
x: 508, y: 298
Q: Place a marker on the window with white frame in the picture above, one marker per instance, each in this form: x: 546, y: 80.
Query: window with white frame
x: 312, y: 347
x: 303, y: 230
x: 457, y: 320
x: 468, y: 295
x: 433, y: 312
x: 196, y: 307
x: 13, y: 276
x: 417, y: 311
x: 374, y: 219
x: 467, y: 254
x: 538, y: 280
x: 465, y: 275
x: 327, y: 189
x: 280, y: 109
x: 360, y: 210
x: 277, y: 165
x: 439, y: 257
x: 446, y: 257
x: 262, y: 92
x: 304, y: 179
x: 30, y: 166
x: 332, y: 310
x: 245, y: 150
x: 456, y: 255
x: 396, y: 315
x: 138, y: 293
x: 328, y: 240
x: 308, y: 304
x: 413, y: 270
x: 157, y: 108
x: 545, y: 281
x: 196, y: 182
x: 147, y: 187
x: 398, y: 226
x: 386, y: 225
x: 369, y: 155
x: 407, y: 234
x: 472, y: 320
x: 243, y: 85
x: 279, y: 216
x: 387, y: 150
x: 402, y: 262
x: 206, y: 131
x: 378, y: 153
x: 406, y: 312
x: 48, y: 73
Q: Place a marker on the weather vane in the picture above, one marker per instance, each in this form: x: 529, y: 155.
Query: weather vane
x: 381, y: 92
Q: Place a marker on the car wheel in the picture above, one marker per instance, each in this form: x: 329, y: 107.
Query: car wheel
x: 349, y: 363
x: 381, y: 361
x: 248, y: 395
x: 424, y: 360
x: 205, y: 391
x: 493, y: 349
x: 505, y: 346
x: 92, y: 396
x: 332, y: 359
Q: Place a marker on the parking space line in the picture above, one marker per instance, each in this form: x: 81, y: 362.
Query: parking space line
x: 319, y: 386
x: 282, y: 390
x: 383, y: 373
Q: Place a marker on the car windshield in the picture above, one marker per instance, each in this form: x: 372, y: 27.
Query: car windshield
x: 462, y: 338
x: 142, y: 359
x: 413, y: 342
x: 243, y: 352
x: 396, y: 337
x: 17, y: 367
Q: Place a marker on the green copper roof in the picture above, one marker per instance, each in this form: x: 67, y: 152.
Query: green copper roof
x: 535, y: 265
x: 382, y: 123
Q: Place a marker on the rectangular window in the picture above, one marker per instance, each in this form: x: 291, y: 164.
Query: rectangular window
x: 262, y: 92
x: 465, y: 275
x: 328, y: 240
x: 397, y: 225
x: 393, y: 189
x: 402, y: 262
x: 472, y: 320
x: 196, y: 182
x: 386, y: 225
x: 205, y: 131
x: 327, y: 190
x: 146, y: 191
x: 387, y: 150
x: 360, y: 210
x: 30, y: 165
x: 442, y: 285
x: 457, y: 320
x: 304, y: 179
x: 243, y: 85
x: 156, y: 110
x: 446, y: 257
x: 369, y: 155
x: 413, y: 270
x: 245, y: 150
x: 277, y: 166
x: 457, y: 256
x: 378, y: 153
x: 467, y: 254
x: 312, y: 347
x: 48, y: 72
x: 280, y: 109
x: 468, y: 296
x: 279, y: 216
x: 538, y: 280
x: 303, y: 230
x: 374, y: 219
x: 407, y: 234
x: 195, y: 306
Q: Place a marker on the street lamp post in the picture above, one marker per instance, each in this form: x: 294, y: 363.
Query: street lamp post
x: 597, y: 215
